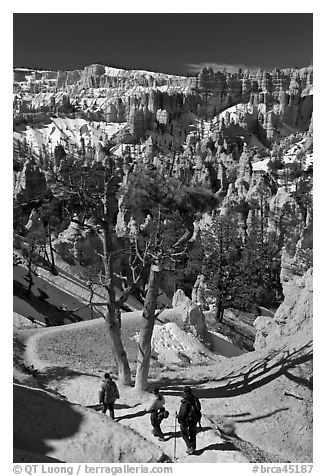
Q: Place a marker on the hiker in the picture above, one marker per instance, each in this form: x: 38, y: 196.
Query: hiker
x: 188, y: 417
x: 158, y: 413
x: 108, y: 394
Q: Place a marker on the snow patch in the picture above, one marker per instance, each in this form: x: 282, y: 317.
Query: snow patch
x: 67, y: 132
x: 261, y: 165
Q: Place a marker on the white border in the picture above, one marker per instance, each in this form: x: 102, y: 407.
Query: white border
x: 168, y: 6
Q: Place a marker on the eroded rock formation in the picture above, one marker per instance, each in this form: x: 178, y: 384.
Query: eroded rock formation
x: 190, y: 316
x: 295, y: 312
x: 137, y: 96
x: 30, y: 182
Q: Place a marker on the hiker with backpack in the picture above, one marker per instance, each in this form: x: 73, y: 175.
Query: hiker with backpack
x: 108, y: 394
x: 188, y: 417
x: 158, y: 413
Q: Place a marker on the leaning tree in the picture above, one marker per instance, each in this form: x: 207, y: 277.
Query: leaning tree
x: 89, y: 195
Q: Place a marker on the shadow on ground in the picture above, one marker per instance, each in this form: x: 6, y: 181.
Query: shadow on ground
x: 130, y: 416
x: 38, y: 417
x: 118, y: 406
x: 171, y: 434
x: 259, y: 374
x: 227, y: 446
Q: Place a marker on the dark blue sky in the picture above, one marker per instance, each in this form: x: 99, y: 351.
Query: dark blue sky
x: 171, y: 43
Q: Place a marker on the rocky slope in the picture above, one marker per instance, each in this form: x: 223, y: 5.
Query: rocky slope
x: 296, y: 311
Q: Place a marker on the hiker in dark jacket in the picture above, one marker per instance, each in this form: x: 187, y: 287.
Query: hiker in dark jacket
x: 108, y: 394
x: 188, y: 417
x: 158, y: 413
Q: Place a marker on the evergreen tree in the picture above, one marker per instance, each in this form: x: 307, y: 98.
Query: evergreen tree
x: 51, y: 215
x: 222, y: 248
x: 260, y: 267
x: 239, y: 273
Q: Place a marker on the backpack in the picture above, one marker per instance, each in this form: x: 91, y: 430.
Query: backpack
x: 111, y: 391
x: 162, y: 414
x: 194, y: 413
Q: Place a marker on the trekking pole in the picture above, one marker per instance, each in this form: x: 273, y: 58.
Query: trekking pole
x: 175, y: 436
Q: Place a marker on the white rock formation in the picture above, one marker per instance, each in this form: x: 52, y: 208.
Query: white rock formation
x: 190, y: 316
x: 295, y: 312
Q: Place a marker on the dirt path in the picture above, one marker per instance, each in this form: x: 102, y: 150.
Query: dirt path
x: 130, y: 409
x: 31, y: 356
x: 257, y: 390
x: 210, y: 447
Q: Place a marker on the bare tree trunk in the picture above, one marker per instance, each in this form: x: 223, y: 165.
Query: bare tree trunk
x: 147, y: 326
x: 30, y: 283
x: 112, y: 316
x: 53, y: 268
x: 112, y: 319
x: 30, y: 272
x: 113, y: 322
x: 91, y: 290
x: 219, y: 309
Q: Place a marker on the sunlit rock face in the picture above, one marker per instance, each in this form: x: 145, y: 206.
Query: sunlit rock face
x: 30, y: 182
x: 136, y: 96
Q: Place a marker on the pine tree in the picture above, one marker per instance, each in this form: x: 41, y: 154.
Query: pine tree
x: 222, y: 247
x: 239, y: 273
